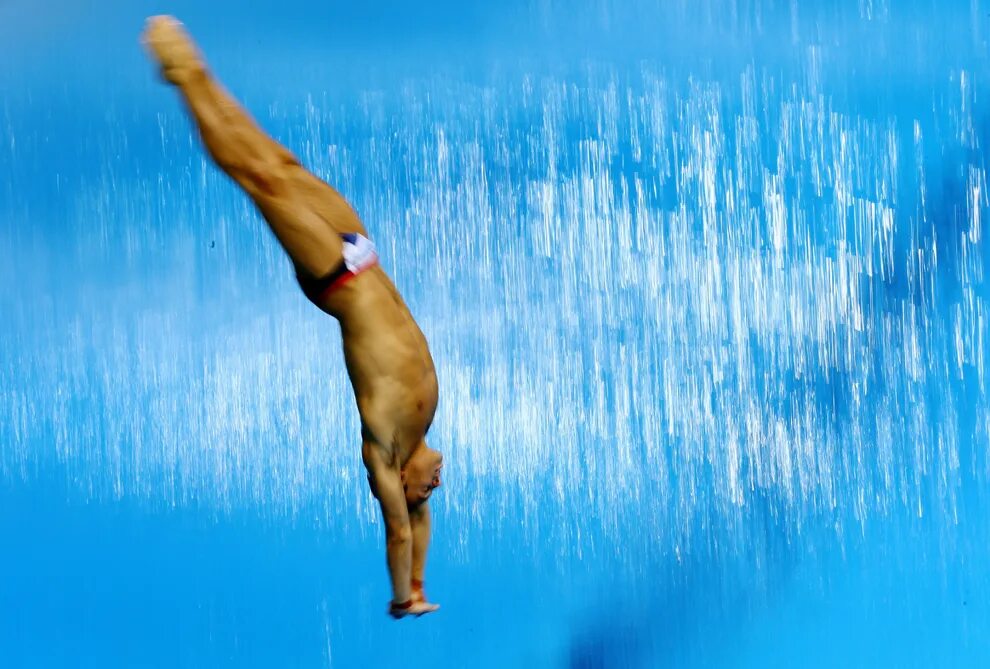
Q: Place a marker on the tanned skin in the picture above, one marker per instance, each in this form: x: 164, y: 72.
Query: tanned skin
x: 387, y: 357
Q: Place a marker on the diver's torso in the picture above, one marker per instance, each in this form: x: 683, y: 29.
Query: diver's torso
x: 387, y: 357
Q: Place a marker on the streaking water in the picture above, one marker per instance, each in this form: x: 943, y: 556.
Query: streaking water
x: 705, y: 288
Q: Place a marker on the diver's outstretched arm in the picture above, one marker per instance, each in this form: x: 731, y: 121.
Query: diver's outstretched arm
x: 419, y: 521
x: 265, y: 169
x: 386, y: 483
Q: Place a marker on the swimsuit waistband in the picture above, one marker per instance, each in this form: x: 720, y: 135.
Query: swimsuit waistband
x: 359, y: 254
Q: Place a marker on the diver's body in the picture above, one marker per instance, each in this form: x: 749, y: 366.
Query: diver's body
x: 387, y: 356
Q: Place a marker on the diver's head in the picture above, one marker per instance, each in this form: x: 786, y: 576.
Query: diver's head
x: 421, y: 475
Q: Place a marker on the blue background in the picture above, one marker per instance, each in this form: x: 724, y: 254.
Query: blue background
x: 704, y: 281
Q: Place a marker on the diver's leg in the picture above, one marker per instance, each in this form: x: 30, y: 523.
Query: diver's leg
x: 265, y: 169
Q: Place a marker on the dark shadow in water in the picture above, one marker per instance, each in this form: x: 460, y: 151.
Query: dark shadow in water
x: 690, y: 611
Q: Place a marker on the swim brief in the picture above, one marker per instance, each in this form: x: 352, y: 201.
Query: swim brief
x: 359, y: 255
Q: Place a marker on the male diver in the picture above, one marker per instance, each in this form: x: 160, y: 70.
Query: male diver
x: 387, y: 357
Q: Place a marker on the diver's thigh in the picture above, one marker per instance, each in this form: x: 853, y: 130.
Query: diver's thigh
x: 327, y: 201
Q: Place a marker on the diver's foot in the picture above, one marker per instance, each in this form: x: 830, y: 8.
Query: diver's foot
x: 411, y: 607
x: 169, y: 43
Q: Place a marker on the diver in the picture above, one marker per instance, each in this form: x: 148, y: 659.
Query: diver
x: 386, y: 355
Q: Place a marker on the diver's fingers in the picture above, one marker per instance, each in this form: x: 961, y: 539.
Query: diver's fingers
x: 422, y: 608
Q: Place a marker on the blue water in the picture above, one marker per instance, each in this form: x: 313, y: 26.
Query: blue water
x: 704, y: 282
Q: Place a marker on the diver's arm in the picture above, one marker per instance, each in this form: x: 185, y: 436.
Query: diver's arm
x: 386, y: 483
x: 419, y: 520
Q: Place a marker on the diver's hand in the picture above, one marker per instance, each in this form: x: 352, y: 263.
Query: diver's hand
x: 418, y: 595
x: 419, y: 598
x: 412, y: 607
x: 169, y: 43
